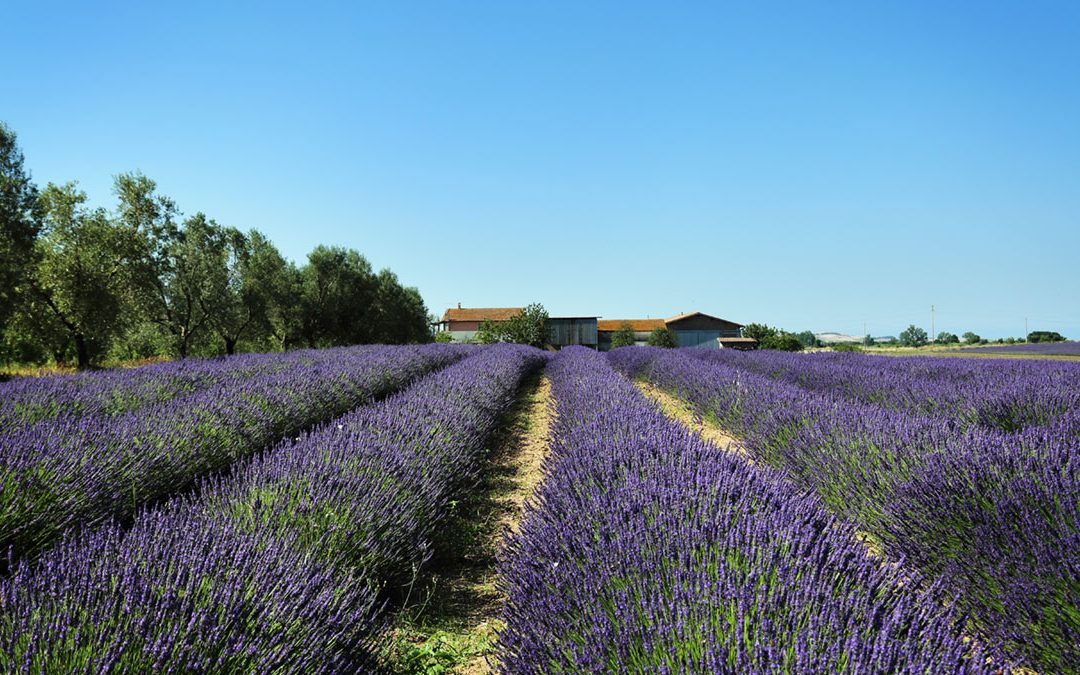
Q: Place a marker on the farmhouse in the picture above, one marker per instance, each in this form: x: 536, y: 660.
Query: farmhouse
x: 694, y: 329
x: 463, y: 322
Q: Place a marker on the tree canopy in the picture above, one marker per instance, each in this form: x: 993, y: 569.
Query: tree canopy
x: 143, y: 280
x: 79, y: 277
x: 1045, y: 336
x: 19, y: 222
x: 775, y: 338
x: 913, y: 336
x: 527, y: 328
x: 662, y: 336
x: 623, y: 337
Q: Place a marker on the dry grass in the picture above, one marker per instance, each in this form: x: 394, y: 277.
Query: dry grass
x: 10, y: 371
x: 963, y: 352
x: 681, y: 411
x: 453, y: 625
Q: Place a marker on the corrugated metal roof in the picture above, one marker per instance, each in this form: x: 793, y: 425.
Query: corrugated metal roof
x: 481, y: 313
x: 680, y: 317
x: 639, y: 325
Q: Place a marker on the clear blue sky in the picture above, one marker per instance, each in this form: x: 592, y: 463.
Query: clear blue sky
x: 809, y: 165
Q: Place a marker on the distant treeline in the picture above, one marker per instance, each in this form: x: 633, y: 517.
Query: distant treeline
x: 83, y: 285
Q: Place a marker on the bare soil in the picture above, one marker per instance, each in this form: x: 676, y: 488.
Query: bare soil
x: 682, y: 412
x: 452, y: 625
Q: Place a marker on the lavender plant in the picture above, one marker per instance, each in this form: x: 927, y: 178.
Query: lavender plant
x: 27, y: 400
x: 281, y: 567
x: 71, y: 470
x: 990, y: 514
x: 1004, y: 395
x: 650, y: 550
x: 1040, y: 349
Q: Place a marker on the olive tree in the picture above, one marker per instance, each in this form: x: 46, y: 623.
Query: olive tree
x: 913, y: 336
x: 19, y: 224
x: 81, y: 271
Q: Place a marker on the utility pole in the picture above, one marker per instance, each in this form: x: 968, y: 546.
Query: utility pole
x: 1025, y: 328
x: 933, y: 333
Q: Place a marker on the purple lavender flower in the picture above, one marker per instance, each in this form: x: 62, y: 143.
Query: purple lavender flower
x: 647, y: 549
x: 281, y: 566
x: 968, y: 471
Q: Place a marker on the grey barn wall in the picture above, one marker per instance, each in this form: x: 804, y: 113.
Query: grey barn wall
x: 572, y: 331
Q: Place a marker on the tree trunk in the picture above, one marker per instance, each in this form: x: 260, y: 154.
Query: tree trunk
x: 230, y: 346
x: 82, y: 353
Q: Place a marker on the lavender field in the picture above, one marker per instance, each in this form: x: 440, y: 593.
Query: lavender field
x: 1040, y: 349
x: 272, y: 513
x: 965, y: 474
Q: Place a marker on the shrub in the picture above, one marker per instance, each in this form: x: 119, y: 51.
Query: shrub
x: 808, y: 339
x: 846, y: 347
x: 662, y: 336
x: 971, y: 338
x: 443, y: 337
x: 758, y: 331
x: 945, y: 338
x: 782, y: 341
x: 624, y: 337
x: 527, y: 328
x: 1045, y: 336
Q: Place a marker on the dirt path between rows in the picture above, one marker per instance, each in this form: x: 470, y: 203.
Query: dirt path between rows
x: 453, y: 624
x: 681, y: 411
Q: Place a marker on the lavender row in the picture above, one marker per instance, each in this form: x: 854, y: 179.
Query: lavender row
x: 1040, y: 349
x: 1005, y: 395
x: 647, y: 549
x: 281, y: 568
x: 995, y: 516
x: 27, y: 400
x: 70, y: 471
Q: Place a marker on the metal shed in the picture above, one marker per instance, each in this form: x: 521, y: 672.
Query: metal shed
x: 693, y: 329
x: 572, y: 330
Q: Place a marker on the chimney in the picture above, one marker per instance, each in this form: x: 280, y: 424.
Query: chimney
x: 459, y: 305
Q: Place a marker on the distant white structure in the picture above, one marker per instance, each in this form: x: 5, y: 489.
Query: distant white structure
x: 832, y: 338
x: 835, y: 338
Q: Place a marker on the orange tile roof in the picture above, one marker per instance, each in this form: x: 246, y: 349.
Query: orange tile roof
x: 639, y: 325
x: 481, y: 313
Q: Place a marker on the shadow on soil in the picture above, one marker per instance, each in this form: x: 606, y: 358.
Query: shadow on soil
x: 450, y: 621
